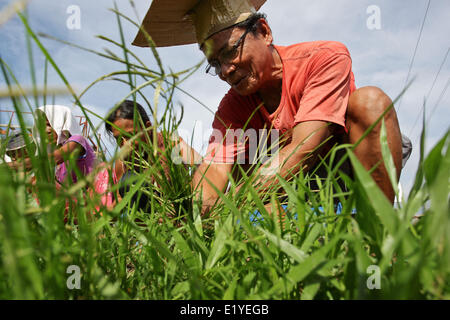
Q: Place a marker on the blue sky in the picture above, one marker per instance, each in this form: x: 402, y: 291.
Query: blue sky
x: 380, y: 57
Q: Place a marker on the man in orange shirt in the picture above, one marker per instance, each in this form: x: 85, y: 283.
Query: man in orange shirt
x: 305, y: 91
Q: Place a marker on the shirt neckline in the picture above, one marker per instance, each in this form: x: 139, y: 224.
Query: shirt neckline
x: 273, y: 117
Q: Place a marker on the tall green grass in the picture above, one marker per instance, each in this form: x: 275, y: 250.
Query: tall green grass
x: 172, y: 252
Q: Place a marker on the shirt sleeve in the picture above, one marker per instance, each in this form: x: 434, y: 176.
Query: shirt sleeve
x: 328, y: 88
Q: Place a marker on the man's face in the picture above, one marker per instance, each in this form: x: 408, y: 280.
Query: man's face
x: 247, y: 72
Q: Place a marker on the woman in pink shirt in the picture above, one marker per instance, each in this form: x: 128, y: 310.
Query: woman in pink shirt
x: 57, y: 131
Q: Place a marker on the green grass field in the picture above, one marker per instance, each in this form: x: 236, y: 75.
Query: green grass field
x: 314, y: 254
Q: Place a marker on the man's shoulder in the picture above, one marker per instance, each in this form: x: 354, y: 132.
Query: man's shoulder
x: 311, y: 48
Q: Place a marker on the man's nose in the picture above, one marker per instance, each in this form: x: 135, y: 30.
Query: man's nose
x: 226, y: 69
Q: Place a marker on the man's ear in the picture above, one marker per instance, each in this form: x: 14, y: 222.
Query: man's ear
x: 265, y: 31
x: 148, y: 124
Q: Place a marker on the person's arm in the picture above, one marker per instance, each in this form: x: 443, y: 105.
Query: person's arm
x: 69, y: 148
x: 58, y: 155
x: 188, y: 154
x: 220, y: 157
x: 118, y: 169
x: 207, y: 174
x: 300, y: 154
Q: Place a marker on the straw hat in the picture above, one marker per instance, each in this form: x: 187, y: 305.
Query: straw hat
x: 15, y: 142
x: 177, y: 22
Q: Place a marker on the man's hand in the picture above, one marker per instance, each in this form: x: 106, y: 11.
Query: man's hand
x: 206, y: 175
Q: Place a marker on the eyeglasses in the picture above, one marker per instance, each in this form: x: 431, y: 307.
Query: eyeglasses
x: 215, y: 66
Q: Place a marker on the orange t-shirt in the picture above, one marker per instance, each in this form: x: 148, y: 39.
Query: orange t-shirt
x: 317, y: 83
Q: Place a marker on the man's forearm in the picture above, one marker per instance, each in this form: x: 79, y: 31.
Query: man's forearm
x: 300, y: 154
x: 286, y: 164
x: 207, y: 179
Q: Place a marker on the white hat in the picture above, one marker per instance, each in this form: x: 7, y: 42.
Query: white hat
x: 61, y: 120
